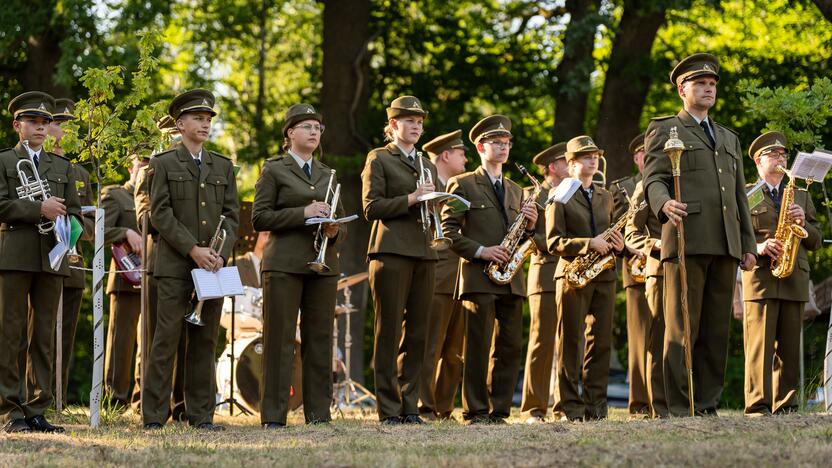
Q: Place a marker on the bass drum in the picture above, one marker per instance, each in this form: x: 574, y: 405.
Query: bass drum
x: 248, y: 374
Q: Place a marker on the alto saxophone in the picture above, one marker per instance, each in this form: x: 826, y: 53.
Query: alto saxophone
x: 587, y: 267
x: 518, y: 245
x: 788, y: 232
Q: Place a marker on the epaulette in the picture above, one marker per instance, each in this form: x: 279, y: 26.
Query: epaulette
x: 61, y: 156
x: 214, y: 153
x: 162, y: 153
x: 726, y: 128
x: 275, y: 158
x: 662, y: 117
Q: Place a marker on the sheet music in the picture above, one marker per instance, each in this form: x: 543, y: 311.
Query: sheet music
x: 213, y: 285
x: 456, y: 202
x: 564, y: 191
x: 755, y: 194
x: 346, y: 219
x: 56, y: 255
x: 813, y: 165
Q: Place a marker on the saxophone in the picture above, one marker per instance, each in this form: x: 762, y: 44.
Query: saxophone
x: 788, y: 232
x: 585, y: 268
x: 519, y: 246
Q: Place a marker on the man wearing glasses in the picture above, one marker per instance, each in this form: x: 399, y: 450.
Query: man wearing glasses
x: 718, y: 233
x: 773, y: 309
x: 492, y: 310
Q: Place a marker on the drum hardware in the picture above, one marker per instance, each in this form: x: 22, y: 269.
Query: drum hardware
x: 347, y: 392
x: 348, y: 281
x: 231, y: 401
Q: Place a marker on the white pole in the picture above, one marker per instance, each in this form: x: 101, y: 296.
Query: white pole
x: 97, y: 320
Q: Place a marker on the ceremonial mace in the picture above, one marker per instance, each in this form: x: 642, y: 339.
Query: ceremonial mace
x: 673, y: 148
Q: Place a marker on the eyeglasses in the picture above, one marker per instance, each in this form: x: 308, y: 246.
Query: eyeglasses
x: 500, y: 144
x: 775, y: 154
x: 310, y: 127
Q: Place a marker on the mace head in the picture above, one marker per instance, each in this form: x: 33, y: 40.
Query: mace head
x: 673, y: 142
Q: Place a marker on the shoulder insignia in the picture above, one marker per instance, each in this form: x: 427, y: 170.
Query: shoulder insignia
x: 219, y: 155
x: 725, y: 128
x: 61, y: 156
x: 662, y: 117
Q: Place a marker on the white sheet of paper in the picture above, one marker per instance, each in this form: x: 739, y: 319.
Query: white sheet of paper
x: 813, y: 165
x: 564, y: 191
x: 213, y: 285
x: 456, y: 202
x: 62, y: 229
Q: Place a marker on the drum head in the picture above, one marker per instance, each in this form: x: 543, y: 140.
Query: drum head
x: 249, y: 373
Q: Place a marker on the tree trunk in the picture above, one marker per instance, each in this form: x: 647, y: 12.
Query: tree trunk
x: 572, y: 76
x: 344, y: 98
x: 43, y: 53
x: 260, y: 133
x: 628, y: 80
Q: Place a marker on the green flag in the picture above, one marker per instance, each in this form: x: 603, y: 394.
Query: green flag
x: 76, y: 229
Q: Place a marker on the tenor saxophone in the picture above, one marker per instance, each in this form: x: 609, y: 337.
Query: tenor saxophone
x: 516, y: 242
x: 788, y: 232
x: 587, y: 267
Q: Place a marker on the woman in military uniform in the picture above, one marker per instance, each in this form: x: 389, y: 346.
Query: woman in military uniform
x: 292, y: 188
x: 574, y: 227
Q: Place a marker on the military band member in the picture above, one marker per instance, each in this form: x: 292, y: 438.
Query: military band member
x: 574, y: 227
x: 537, y: 383
x: 141, y: 199
x: 442, y: 369
x: 718, y: 233
x: 493, y: 313
x: 120, y: 226
x: 402, y: 263
x: 644, y: 232
x: 74, y: 284
x: 292, y: 188
x: 638, y: 312
x: 26, y: 277
x: 192, y: 187
x: 774, y: 306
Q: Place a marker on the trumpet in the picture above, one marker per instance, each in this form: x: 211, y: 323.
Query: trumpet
x: 33, y: 188
x: 217, y: 243
x: 321, y: 240
x: 430, y: 213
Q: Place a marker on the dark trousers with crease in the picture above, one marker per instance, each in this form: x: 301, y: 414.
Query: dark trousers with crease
x: 69, y: 326
x: 711, y: 280
x: 121, y: 343
x: 199, y: 355
x: 493, y: 352
x: 655, y: 350
x: 402, y: 290
x: 27, y: 332
x: 638, y: 332
x: 585, y: 312
x: 442, y: 369
x: 537, y: 380
x: 284, y: 294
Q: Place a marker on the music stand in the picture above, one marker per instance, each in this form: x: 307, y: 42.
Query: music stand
x: 349, y: 386
x: 246, y: 238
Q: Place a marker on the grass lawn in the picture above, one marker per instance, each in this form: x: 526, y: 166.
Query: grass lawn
x: 730, y: 440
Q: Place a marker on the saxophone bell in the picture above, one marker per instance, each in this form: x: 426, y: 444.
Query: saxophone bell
x: 788, y: 232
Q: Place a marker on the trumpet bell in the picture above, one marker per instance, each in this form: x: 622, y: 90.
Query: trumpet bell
x: 318, y: 267
x: 195, y: 318
x: 440, y: 243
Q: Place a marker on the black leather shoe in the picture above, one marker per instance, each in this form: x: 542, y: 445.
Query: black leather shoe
x: 153, y: 426
x: 391, y: 421
x: 206, y: 426
x: 40, y: 424
x: 274, y: 425
x: 17, y: 426
x: 412, y: 419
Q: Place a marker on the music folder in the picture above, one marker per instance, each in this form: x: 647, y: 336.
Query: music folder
x: 214, y: 285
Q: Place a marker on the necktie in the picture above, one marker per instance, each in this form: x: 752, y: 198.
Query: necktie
x: 36, y: 158
x: 775, y: 195
x: 498, y: 190
x: 198, y: 163
x: 591, y: 213
x: 307, y: 170
x: 411, y: 158
x: 706, y: 128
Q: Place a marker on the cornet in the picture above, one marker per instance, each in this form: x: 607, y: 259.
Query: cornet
x: 217, y: 243
x: 430, y: 213
x: 321, y: 240
x: 33, y: 188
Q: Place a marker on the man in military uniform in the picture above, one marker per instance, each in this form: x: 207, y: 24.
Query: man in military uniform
x: 402, y: 262
x: 442, y: 370
x: 718, y: 233
x: 26, y: 276
x: 125, y: 298
x: 141, y: 199
x: 773, y: 309
x: 638, y: 313
x: 75, y: 283
x: 541, y: 290
x: 192, y: 187
x: 643, y: 232
x: 493, y: 320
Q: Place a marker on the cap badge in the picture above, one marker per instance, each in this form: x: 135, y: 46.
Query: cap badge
x: 42, y: 107
x: 778, y: 143
x: 205, y: 102
x: 707, y: 67
x: 309, y: 110
x: 415, y: 104
x: 66, y: 110
x: 500, y: 127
